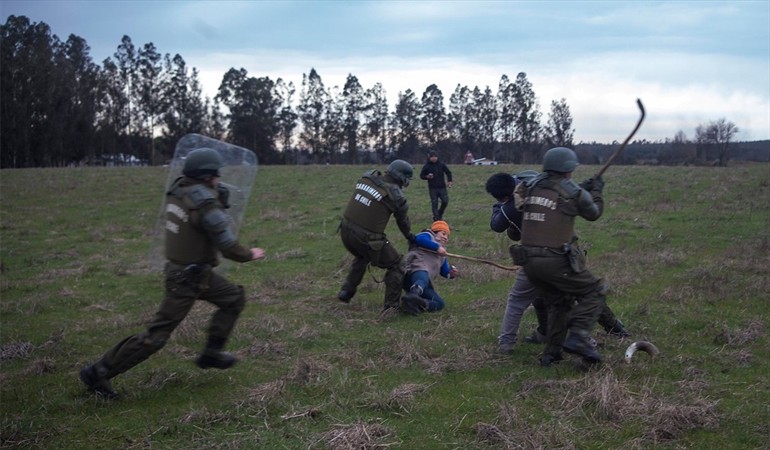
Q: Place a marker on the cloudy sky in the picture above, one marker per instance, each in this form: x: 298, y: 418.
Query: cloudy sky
x: 690, y: 62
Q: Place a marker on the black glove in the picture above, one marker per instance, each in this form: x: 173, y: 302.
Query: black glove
x: 224, y: 196
x: 593, y: 184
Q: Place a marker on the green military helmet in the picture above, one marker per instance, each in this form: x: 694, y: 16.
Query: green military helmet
x: 525, y: 175
x: 203, y: 163
x: 560, y: 159
x: 401, y: 171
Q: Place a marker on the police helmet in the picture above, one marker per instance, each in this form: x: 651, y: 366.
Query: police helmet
x: 560, y: 159
x: 401, y: 171
x: 203, y: 163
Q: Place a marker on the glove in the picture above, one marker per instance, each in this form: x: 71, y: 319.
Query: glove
x: 224, y: 195
x: 593, y: 184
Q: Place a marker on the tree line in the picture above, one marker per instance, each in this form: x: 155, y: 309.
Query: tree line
x: 58, y: 107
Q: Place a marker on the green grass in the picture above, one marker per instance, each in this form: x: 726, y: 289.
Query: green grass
x: 684, y: 250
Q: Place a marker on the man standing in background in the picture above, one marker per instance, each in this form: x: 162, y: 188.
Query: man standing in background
x: 434, y: 171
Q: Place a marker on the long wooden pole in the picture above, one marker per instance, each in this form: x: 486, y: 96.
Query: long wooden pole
x: 491, y: 263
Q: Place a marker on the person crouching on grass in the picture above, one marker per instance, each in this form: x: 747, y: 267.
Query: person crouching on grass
x: 425, y: 260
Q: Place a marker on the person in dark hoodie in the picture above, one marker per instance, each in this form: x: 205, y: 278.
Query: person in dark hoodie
x: 435, y: 172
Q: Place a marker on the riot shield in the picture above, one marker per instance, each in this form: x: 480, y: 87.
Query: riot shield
x: 237, y: 175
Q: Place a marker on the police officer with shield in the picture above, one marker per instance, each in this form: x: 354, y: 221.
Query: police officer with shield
x: 376, y: 198
x: 197, y: 229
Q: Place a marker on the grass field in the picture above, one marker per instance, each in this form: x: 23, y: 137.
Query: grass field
x: 685, y: 251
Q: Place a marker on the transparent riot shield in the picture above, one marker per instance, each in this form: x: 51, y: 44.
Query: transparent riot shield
x: 237, y: 175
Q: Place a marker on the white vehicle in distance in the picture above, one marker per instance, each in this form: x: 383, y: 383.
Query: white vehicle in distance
x: 484, y: 162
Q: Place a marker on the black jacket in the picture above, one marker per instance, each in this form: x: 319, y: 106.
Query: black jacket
x: 438, y: 169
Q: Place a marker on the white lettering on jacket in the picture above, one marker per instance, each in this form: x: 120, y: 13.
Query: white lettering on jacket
x: 177, y: 211
x: 172, y: 227
x: 366, y: 201
x: 541, y: 201
x: 538, y: 217
x: 369, y: 190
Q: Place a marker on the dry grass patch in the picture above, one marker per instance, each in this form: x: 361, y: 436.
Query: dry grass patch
x: 267, y: 348
x: 399, y: 400
x: 309, y: 370
x: 741, y: 336
x: 207, y: 418
x: 40, y: 366
x: 608, y: 401
x: 15, y: 350
x: 267, y: 392
x: 550, y: 436
x: 358, y: 436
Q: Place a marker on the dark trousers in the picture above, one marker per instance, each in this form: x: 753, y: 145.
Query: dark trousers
x: 375, y: 249
x: 439, y: 198
x: 181, y: 293
x: 574, y: 300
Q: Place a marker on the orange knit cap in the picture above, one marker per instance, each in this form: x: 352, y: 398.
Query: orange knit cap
x: 440, y: 225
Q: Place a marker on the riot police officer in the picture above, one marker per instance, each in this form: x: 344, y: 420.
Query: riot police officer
x: 375, y: 199
x: 552, y: 260
x: 197, y: 229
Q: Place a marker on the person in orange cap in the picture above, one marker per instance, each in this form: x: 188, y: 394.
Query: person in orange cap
x: 425, y: 260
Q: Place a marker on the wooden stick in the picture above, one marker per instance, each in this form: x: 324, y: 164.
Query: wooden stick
x: 491, y: 263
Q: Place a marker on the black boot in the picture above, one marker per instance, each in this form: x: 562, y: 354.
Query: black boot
x: 617, y: 329
x: 549, y: 359
x: 578, y: 343
x: 98, y: 384
x: 413, y: 304
x: 214, y: 357
x: 345, y: 295
x: 535, y: 338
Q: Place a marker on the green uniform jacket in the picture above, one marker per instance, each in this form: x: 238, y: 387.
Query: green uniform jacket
x: 197, y: 227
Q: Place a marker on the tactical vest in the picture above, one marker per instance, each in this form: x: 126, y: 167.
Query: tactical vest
x: 548, y: 215
x: 186, y: 241
x: 370, y: 206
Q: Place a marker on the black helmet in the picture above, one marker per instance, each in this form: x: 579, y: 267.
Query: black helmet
x: 203, y: 163
x: 560, y: 159
x: 500, y: 185
x: 401, y: 171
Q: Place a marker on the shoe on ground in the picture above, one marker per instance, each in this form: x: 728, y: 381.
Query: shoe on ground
x: 344, y: 295
x: 549, y: 359
x: 535, y: 338
x: 217, y: 360
x: 413, y: 304
x: 617, y: 330
x: 579, y: 345
x: 506, y: 349
x: 98, y: 385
